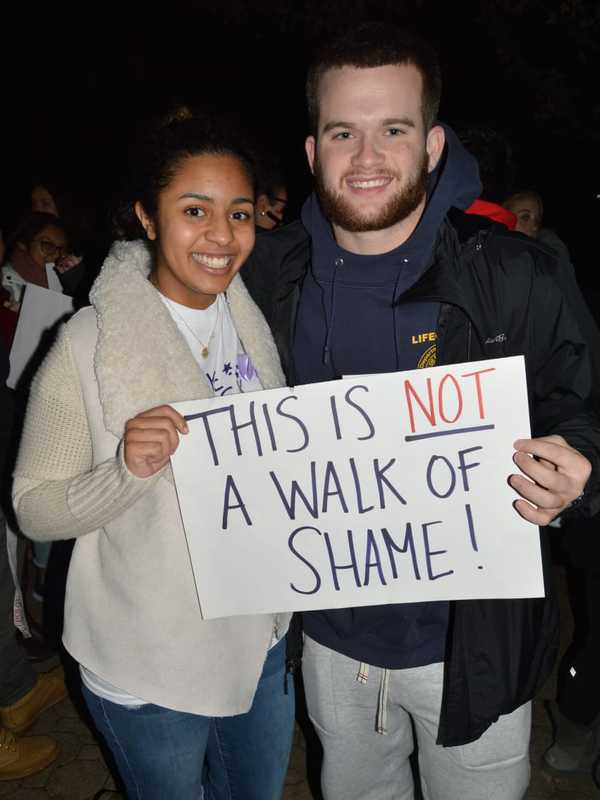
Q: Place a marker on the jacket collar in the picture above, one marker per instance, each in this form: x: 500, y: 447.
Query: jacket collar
x: 141, y: 359
x: 441, y: 282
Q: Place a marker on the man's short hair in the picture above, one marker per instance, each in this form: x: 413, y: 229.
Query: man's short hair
x: 375, y: 44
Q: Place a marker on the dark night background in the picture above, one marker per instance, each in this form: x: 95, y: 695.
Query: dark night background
x: 78, y: 81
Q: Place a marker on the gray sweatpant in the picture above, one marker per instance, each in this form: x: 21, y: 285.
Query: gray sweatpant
x: 361, y: 764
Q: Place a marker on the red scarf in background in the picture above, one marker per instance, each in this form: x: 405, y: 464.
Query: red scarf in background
x: 493, y: 211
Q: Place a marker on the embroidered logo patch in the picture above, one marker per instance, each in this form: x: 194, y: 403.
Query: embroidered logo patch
x: 429, y: 358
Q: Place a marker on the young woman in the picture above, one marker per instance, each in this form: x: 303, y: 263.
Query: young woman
x: 529, y: 210
x: 79, y: 265
x: 186, y: 706
x: 40, y: 239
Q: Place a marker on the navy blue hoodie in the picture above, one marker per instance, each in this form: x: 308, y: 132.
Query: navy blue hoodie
x: 349, y: 323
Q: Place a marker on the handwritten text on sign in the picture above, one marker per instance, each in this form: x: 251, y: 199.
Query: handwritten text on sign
x: 380, y: 489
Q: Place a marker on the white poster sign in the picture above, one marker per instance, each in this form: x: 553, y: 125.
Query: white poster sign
x: 53, y: 280
x: 376, y: 489
x: 40, y: 310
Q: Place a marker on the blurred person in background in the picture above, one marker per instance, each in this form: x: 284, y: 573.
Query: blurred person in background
x: 528, y: 208
x: 271, y: 196
x: 80, y: 265
x: 40, y: 239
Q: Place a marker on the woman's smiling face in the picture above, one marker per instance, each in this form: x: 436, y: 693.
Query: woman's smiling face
x: 204, y: 228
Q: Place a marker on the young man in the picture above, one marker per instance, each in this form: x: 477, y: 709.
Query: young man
x: 384, y: 273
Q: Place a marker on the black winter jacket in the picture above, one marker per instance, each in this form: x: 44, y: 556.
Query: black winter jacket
x: 499, y: 297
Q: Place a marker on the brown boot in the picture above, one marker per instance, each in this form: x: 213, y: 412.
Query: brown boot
x: 22, y: 757
x: 48, y: 690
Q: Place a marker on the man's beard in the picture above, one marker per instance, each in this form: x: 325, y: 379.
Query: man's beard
x: 341, y: 213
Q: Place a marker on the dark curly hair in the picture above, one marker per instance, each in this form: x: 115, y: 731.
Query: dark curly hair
x: 160, y: 156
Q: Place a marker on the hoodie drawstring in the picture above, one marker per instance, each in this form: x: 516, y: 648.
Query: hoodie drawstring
x: 394, y: 307
x: 339, y: 262
x: 383, y: 695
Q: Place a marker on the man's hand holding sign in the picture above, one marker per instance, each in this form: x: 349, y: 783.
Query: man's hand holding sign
x: 557, y: 476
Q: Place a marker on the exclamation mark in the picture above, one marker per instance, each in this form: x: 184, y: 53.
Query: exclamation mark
x: 472, y: 530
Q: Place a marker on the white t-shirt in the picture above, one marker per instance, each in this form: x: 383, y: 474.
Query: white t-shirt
x: 213, y: 340
x: 227, y: 368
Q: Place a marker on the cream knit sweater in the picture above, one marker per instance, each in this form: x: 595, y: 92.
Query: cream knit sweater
x: 131, y: 611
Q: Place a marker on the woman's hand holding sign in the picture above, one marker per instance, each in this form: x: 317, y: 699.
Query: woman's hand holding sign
x: 556, y: 476
x: 150, y: 440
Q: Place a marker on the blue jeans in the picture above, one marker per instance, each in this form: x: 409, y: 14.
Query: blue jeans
x: 162, y: 753
x: 41, y: 554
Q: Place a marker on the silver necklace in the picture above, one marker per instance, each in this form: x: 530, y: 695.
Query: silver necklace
x: 204, y: 347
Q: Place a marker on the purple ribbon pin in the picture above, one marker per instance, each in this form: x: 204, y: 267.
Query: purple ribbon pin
x: 245, y: 367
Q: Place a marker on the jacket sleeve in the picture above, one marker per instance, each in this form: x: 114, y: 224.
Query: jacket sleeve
x: 260, y: 275
x: 273, y: 275
x: 563, y: 387
x: 72, y: 279
x: 57, y: 492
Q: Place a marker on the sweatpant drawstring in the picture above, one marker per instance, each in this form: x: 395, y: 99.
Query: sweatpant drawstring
x: 383, y: 696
